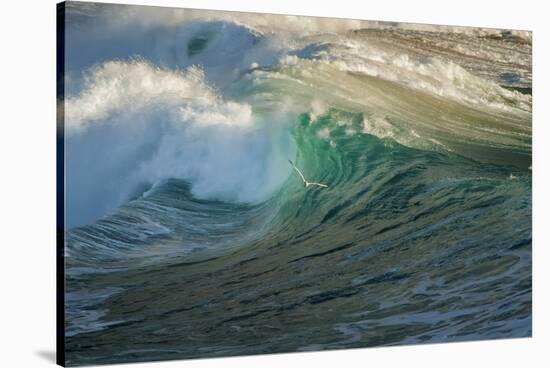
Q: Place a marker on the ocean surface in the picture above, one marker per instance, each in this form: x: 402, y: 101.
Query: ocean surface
x: 190, y: 235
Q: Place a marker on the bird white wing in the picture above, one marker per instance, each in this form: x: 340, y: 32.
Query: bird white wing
x: 319, y: 184
x: 299, y: 172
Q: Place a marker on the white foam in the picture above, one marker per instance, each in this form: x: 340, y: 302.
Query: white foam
x: 116, y: 86
x: 134, y: 123
x: 433, y: 75
x: 377, y: 126
x: 324, y: 133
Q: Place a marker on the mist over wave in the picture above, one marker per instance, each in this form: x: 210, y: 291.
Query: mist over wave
x: 134, y: 125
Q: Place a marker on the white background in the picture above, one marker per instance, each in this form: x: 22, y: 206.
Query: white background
x: 27, y: 191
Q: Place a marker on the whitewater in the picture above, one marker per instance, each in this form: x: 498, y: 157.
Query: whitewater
x: 190, y: 235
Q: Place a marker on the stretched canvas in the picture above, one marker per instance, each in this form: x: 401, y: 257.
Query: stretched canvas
x: 234, y: 183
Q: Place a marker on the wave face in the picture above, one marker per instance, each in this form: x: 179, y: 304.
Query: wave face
x: 190, y: 235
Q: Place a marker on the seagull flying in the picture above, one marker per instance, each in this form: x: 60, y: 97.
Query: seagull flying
x: 306, y: 183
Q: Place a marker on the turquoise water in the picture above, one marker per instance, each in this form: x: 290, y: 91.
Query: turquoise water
x: 191, y: 235
x: 405, y: 246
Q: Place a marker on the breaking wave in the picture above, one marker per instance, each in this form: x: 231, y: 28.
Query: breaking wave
x: 177, y: 167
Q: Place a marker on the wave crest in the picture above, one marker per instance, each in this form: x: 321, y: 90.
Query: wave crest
x: 158, y: 124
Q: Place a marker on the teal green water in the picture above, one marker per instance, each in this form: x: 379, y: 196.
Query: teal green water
x: 405, y: 246
x: 190, y: 235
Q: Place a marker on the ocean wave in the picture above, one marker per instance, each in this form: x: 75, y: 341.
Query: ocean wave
x: 182, y: 125
x: 156, y: 124
x: 187, y: 224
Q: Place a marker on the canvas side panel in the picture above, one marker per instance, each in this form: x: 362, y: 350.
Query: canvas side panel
x: 60, y: 186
